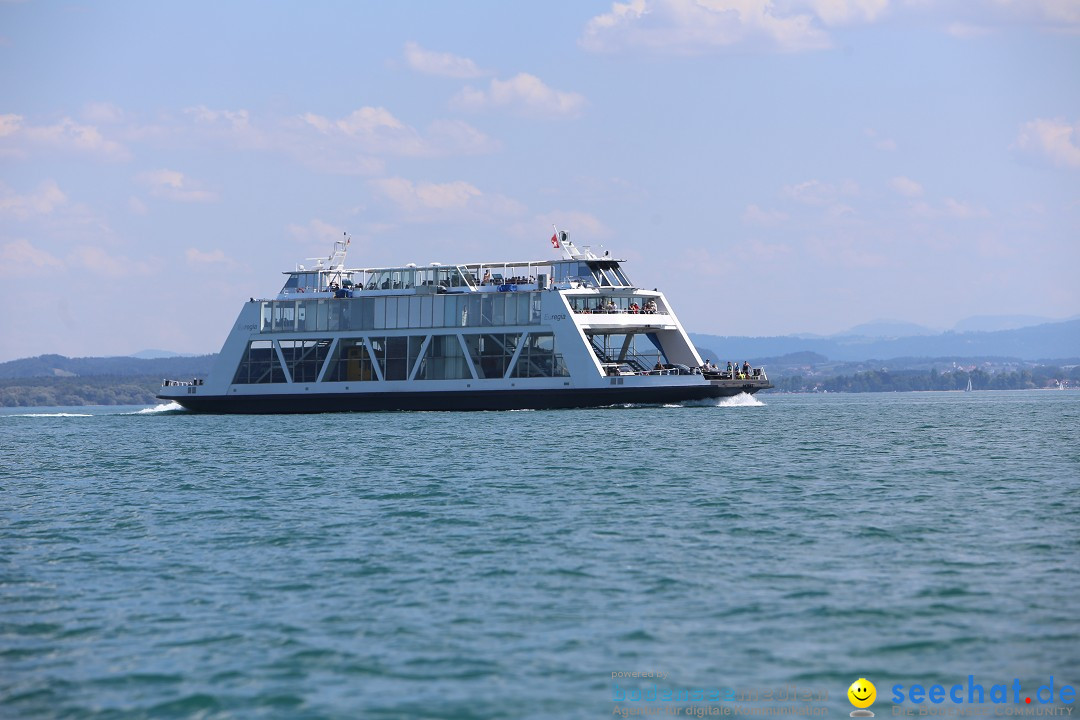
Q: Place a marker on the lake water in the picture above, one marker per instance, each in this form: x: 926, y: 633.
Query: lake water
x: 504, y: 565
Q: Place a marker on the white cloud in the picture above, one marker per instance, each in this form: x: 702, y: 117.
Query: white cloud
x: 320, y: 144
x: 429, y: 202
x: 695, y: 26
x: 214, y: 257
x: 429, y: 196
x: 174, y: 185
x: 523, y: 93
x: 10, y: 124
x: 906, y: 186
x: 317, y: 233
x: 949, y: 208
x: 102, y: 112
x: 687, y: 27
x: 375, y: 130
x: 758, y: 252
x: 66, y: 135
x: 584, y: 228
x: 966, y: 30
x: 236, y: 119
x: 815, y: 192
x: 881, y: 143
x: 44, y: 201
x: 1055, y: 139
x: 1065, y: 12
x: 19, y: 255
x: 137, y: 206
x: 842, y: 12
x: 754, y: 215
x: 98, y: 261
x: 977, y: 18
x: 461, y: 136
x: 958, y: 209
x: 436, y: 63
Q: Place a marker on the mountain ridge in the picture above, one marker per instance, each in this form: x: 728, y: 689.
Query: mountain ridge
x: 1036, y: 342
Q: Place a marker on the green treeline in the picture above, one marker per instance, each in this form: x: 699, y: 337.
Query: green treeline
x: 907, y: 380
x: 75, y: 391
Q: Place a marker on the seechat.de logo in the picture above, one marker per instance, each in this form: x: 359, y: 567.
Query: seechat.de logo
x: 974, y: 693
x: 862, y: 694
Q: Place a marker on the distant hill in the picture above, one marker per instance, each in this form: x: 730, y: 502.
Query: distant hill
x: 153, y: 354
x: 61, y: 381
x: 60, y: 366
x: 1050, y: 340
x: 888, y: 328
x: 992, y: 323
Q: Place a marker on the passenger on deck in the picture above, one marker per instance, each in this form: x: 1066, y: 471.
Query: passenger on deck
x: 659, y: 366
x: 635, y: 308
x: 728, y: 371
x: 746, y: 369
x: 610, y: 307
x: 650, y: 307
x: 487, y: 278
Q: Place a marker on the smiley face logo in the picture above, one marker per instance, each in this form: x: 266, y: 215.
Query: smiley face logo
x: 862, y: 694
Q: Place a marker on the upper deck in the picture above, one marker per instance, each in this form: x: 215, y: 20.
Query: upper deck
x: 579, y: 269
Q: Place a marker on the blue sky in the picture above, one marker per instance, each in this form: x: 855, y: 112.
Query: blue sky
x: 775, y: 167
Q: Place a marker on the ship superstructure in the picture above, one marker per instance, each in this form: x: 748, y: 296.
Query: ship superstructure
x: 571, y: 332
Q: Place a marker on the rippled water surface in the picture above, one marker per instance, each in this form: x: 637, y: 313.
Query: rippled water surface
x: 504, y: 565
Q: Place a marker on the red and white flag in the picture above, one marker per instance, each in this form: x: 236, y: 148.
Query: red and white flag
x: 555, y: 240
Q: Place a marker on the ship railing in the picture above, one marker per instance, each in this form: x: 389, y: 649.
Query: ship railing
x: 619, y: 369
x: 617, y: 311
x: 182, y: 383
x: 757, y: 373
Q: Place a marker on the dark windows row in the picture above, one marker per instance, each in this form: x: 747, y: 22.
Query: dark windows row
x: 441, y: 357
x: 388, y: 313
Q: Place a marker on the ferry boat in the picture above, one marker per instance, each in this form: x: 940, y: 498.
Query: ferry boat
x: 569, y: 332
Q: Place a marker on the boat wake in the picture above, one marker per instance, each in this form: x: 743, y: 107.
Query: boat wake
x: 51, y: 415
x: 162, y: 408
x: 741, y: 400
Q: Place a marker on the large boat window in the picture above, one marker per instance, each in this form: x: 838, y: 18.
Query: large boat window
x: 259, y: 364
x: 615, y: 304
x: 411, y: 311
x: 491, y: 352
x: 304, y: 358
x: 284, y: 316
x: 443, y: 360
x: 538, y: 358
x: 351, y: 362
x: 301, y: 282
x: 396, y: 355
x: 573, y: 272
x: 639, y: 351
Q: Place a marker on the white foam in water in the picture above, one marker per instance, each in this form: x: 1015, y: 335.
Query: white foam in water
x: 163, y: 407
x: 51, y: 415
x: 741, y: 400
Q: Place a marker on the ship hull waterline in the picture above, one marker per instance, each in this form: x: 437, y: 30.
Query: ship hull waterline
x: 458, y: 399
